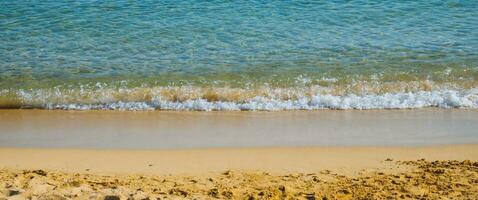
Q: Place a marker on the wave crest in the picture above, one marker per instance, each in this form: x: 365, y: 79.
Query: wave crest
x: 230, y: 99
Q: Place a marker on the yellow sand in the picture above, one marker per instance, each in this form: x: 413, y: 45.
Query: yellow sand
x: 248, y: 173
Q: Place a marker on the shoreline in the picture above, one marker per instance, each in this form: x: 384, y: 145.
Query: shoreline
x: 189, y: 130
x: 312, y: 97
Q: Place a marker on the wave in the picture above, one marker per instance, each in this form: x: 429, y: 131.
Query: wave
x: 233, y: 99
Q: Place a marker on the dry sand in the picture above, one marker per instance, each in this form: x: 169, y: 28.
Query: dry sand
x: 249, y: 173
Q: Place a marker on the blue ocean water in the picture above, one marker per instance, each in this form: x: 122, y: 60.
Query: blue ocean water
x: 163, y: 54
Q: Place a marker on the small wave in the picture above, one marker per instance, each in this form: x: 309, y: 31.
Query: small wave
x: 402, y: 100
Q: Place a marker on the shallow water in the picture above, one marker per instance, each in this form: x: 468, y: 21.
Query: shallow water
x: 223, y: 55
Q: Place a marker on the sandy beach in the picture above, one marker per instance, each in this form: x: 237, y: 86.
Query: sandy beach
x: 246, y: 173
x: 393, y: 154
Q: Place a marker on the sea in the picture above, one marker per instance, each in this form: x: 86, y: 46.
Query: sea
x: 227, y: 55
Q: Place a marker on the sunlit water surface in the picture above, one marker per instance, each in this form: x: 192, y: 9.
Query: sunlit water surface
x: 238, y: 55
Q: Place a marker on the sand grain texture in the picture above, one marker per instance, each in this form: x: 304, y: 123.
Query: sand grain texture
x: 421, y: 179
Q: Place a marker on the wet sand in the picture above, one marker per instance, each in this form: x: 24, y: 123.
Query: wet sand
x: 166, y: 130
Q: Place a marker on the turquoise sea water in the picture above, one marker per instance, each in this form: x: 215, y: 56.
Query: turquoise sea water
x: 238, y: 55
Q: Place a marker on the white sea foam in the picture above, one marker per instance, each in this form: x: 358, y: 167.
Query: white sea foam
x: 421, y: 99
